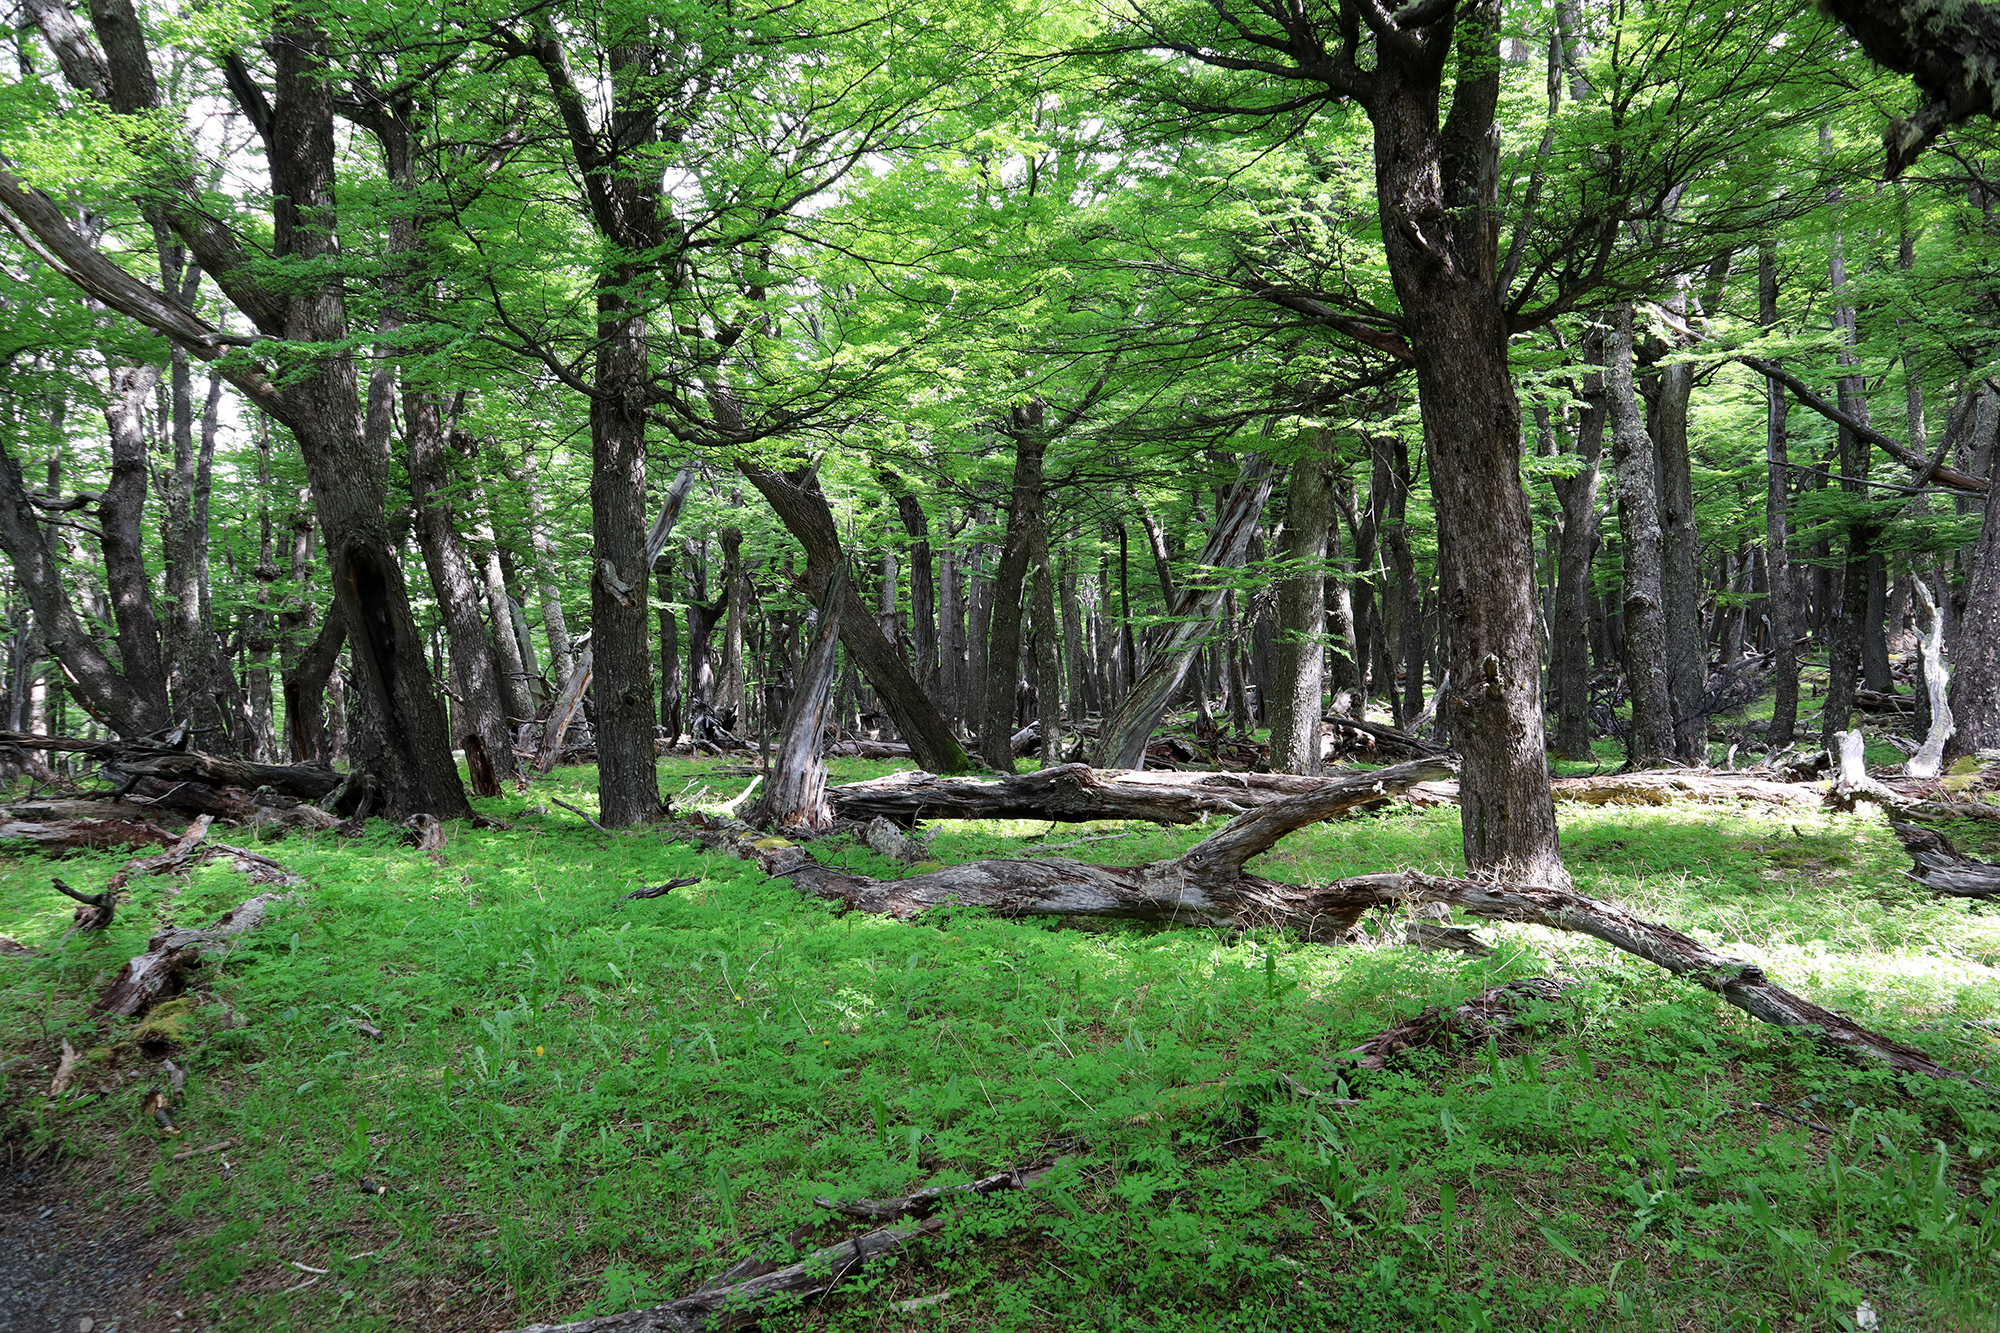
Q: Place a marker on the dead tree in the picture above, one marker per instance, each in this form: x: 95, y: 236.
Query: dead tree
x: 1943, y: 867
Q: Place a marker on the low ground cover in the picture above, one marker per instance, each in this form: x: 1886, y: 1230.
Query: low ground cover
x: 579, y: 1105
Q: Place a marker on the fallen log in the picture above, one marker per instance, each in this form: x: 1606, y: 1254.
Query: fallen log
x: 867, y: 750
x: 1663, y: 786
x: 307, y: 782
x: 1943, y: 867
x: 62, y: 835
x: 1495, y: 1012
x: 1077, y: 793
x: 1206, y: 886
x: 1386, y: 739
x: 738, y: 1296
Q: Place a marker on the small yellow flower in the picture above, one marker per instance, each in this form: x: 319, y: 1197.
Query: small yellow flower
x: 538, y: 1052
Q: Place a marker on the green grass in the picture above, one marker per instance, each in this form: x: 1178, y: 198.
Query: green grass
x: 580, y: 1106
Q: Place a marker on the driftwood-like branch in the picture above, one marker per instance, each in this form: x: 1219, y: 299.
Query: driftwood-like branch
x: 1943, y: 867
x: 161, y: 972
x: 737, y: 1297
x: 1495, y: 1012
x: 62, y: 835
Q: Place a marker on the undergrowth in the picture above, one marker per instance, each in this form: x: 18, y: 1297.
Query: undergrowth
x: 580, y: 1105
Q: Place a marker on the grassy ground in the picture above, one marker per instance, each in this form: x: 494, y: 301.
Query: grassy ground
x: 581, y: 1105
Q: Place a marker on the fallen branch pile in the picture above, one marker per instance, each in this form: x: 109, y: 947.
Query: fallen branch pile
x: 171, y: 955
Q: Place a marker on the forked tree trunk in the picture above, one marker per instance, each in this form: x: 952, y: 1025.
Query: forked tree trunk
x: 794, y: 799
x: 1192, y: 612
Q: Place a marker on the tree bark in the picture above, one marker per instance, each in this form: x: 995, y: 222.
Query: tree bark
x: 121, y: 512
x: 1003, y: 643
x: 1975, y: 684
x: 1680, y: 570
x: 1301, y: 668
x: 1645, y: 614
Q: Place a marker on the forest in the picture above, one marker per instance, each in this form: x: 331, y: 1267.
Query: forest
x: 1148, y: 665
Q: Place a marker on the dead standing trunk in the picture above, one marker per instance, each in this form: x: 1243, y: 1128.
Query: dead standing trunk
x: 1975, y: 682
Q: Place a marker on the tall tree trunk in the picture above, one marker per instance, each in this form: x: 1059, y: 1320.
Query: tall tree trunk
x: 736, y: 592
x: 121, y: 511
x: 1850, y: 626
x: 1779, y: 602
x: 672, y: 722
x: 951, y: 636
x: 1570, y: 631
x: 516, y: 699
x: 1003, y: 644
x: 923, y: 592
x: 1975, y: 681
x: 474, y: 671
x: 1343, y: 661
x: 261, y: 631
x: 795, y: 798
x: 1639, y: 521
x: 1680, y: 571
x: 1295, y: 705
x: 562, y: 653
x: 1082, y: 683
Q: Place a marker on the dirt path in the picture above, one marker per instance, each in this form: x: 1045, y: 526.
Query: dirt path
x: 64, y: 1259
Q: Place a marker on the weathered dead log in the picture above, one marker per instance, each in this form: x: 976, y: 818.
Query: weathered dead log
x: 1853, y: 788
x: 1661, y: 787
x: 307, y: 782
x: 738, y: 1297
x: 171, y: 955
x: 1206, y: 886
x: 1076, y: 793
x: 1495, y: 1012
x: 1943, y: 867
x: 230, y: 803
x: 867, y: 750
x: 1387, y: 740
x: 62, y: 835
x: 1878, y: 701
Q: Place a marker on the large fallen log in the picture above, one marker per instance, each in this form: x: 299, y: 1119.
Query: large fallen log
x: 740, y: 1295
x: 1207, y: 886
x: 1943, y: 867
x: 1077, y: 793
x: 62, y: 835
x: 307, y: 782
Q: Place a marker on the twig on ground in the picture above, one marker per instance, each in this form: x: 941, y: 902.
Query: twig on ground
x: 661, y: 890
x: 553, y: 800
x: 1782, y: 1114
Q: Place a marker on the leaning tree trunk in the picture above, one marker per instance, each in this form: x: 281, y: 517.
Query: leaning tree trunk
x: 1301, y: 668
x: 1192, y: 611
x: 795, y: 799
x: 1639, y: 519
x: 800, y: 505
